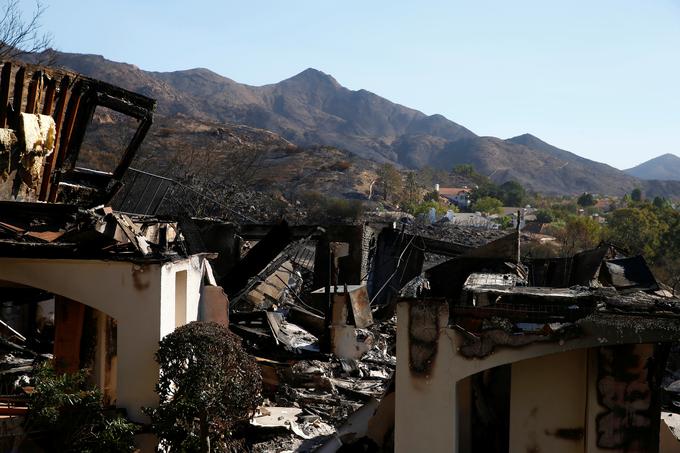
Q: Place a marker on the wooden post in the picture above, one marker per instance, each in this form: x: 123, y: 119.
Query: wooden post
x: 68, y: 322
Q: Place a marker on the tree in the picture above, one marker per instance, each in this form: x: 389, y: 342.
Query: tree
x: 586, y: 200
x: 20, y: 36
x: 464, y: 170
x: 469, y: 172
x: 488, y: 205
x: 512, y: 193
x: 660, y: 202
x: 390, y: 181
x: 579, y: 233
x: 665, y: 261
x: 411, y: 190
x: 544, y: 216
x: 636, y: 195
x: 638, y: 230
x: 208, y: 384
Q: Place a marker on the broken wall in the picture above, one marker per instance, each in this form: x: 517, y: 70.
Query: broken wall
x: 145, y: 299
x: 432, y: 371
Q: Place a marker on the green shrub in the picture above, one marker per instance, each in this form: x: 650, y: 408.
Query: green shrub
x: 208, y: 384
x: 424, y: 208
x: 65, y: 414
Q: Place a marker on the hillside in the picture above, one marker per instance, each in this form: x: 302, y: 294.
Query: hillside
x: 231, y: 155
x: 665, y: 167
x: 312, y: 109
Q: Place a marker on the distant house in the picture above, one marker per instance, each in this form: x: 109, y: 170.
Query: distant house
x: 459, y: 196
x: 598, y: 218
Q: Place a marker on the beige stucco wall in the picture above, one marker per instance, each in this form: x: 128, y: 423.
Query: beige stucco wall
x: 140, y: 297
x: 547, y: 396
x: 426, y: 407
x: 426, y: 410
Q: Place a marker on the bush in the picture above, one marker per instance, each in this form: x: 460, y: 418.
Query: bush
x: 424, y: 208
x: 208, y: 384
x: 322, y: 208
x: 67, y: 415
x: 545, y: 216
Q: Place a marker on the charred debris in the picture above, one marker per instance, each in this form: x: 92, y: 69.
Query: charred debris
x: 314, y: 304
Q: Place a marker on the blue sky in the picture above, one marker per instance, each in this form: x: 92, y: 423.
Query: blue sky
x: 599, y: 78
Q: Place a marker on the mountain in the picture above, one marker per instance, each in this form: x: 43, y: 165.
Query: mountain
x: 665, y: 167
x: 532, y: 162
x: 312, y: 108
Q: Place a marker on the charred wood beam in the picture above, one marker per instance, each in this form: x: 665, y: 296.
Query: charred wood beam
x: 114, y: 92
x: 50, y: 95
x: 18, y: 96
x: 5, y: 81
x: 86, y: 108
x: 133, y: 146
x: 121, y: 106
x: 257, y: 259
x: 34, y: 92
x: 59, y: 113
x: 66, y: 131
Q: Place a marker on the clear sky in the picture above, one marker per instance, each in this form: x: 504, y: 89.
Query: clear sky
x: 599, y: 78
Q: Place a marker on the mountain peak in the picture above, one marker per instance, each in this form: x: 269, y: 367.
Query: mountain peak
x: 526, y: 139
x: 664, y: 167
x: 311, y: 75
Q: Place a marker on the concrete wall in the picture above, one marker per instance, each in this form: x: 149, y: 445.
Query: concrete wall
x: 141, y: 297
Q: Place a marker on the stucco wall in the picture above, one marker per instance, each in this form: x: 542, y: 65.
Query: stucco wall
x: 548, y: 403
x: 430, y: 366
x: 140, y: 297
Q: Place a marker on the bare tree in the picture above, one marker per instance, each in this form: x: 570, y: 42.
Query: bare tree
x: 19, y: 35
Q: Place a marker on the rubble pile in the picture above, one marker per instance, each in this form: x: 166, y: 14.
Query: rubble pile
x: 313, y: 390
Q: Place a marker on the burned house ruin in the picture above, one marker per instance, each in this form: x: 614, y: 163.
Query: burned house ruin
x: 381, y: 334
